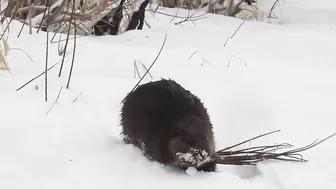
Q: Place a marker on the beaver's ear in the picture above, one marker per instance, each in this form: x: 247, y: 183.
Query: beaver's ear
x: 177, y: 145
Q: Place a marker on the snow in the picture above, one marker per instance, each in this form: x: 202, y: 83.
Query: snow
x: 267, y: 77
x: 191, y: 171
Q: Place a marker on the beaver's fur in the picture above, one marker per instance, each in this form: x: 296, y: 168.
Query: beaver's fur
x: 162, y: 118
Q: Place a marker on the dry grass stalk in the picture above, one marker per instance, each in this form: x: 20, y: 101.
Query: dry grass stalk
x: 136, y: 69
x: 3, y: 62
x: 4, y: 49
x: 3, y: 53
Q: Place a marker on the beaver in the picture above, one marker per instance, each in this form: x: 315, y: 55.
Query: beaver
x: 169, y: 124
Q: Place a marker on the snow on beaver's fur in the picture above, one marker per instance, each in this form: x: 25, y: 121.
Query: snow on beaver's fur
x: 169, y: 124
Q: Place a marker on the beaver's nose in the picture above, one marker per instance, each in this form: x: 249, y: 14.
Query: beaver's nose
x: 198, y: 154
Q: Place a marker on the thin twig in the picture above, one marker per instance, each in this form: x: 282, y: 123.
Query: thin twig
x: 182, y: 17
x: 273, y: 6
x: 74, y: 52
x: 47, y: 8
x: 234, y: 56
x: 259, y: 136
x: 7, y: 27
x: 227, y: 40
x: 145, y: 68
x: 77, y: 97
x: 56, y: 32
x: 163, y: 44
x: 24, y: 52
x: 177, y: 13
x: 147, y: 24
x: 191, y: 18
x: 60, y: 25
x: 253, y: 155
x: 157, y: 8
x: 180, y: 22
x: 39, y: 75
x: 66, y: 44
x: 203, y: 59
x: 55, y: 101
x: 29, y: 12
x: 46, y: 63
x: 46, y: 70
x: 67, y: 39
x: 238, y: 28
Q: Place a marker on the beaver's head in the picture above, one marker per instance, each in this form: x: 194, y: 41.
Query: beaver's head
x: 193, y: 144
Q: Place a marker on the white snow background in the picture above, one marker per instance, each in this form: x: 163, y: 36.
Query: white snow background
x: 268, y: 77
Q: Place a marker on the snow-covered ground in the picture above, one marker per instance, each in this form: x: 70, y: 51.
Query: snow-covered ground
x: 267, y: 77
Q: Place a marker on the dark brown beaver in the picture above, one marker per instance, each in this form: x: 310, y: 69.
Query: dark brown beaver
x: 168, y: 123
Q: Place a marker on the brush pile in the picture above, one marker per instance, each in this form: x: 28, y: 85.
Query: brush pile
x: 62, y: 16
x: 255, y: 154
